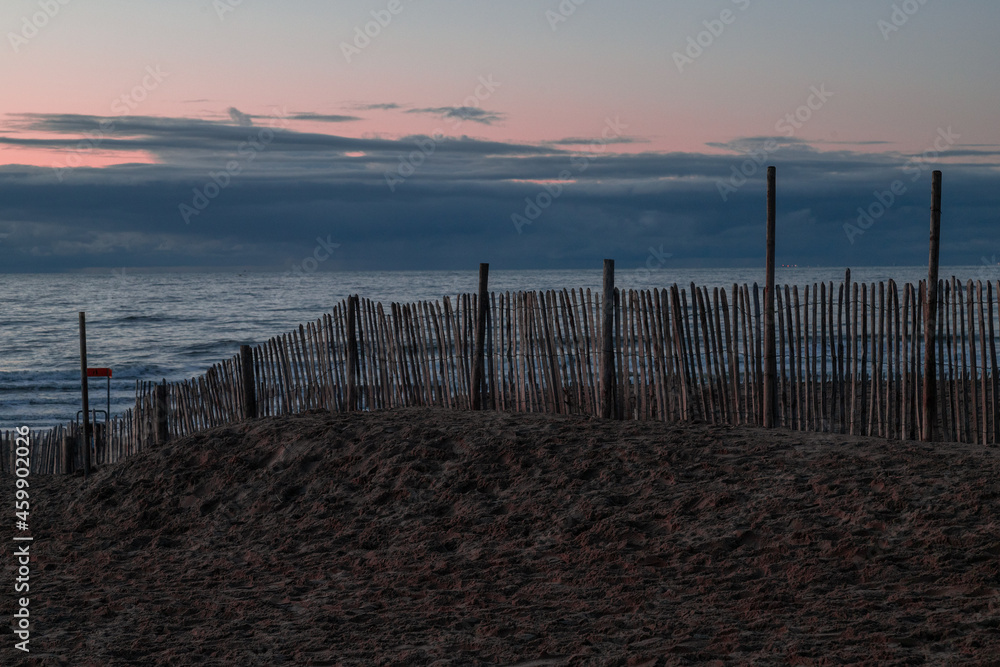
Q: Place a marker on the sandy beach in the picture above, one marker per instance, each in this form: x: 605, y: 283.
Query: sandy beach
x: 434, y: 537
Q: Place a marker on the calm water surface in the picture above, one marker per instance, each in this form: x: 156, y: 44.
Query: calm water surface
x: 150, y: 326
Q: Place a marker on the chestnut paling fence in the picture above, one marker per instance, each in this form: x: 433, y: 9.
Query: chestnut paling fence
x: 849, y: 360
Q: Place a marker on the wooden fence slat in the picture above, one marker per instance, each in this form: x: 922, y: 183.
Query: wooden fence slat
x: 786, y: 372
x: 993, y: 362
x: 957, y: 379
x: 749, y: 375
x: 825, y: 415
x: 974, y: 426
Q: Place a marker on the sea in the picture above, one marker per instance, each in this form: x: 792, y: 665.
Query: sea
x: 174, y: 325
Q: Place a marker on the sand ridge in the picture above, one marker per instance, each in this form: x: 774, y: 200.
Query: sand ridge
x: 427, y: 536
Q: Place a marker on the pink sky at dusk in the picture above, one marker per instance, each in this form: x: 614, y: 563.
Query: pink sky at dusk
x: 601, y: 62
x: 682, y: 94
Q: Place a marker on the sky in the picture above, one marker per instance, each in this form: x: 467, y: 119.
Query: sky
x: 312, y: 135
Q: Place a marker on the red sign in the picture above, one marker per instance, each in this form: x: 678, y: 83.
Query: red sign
x: 98, y: 372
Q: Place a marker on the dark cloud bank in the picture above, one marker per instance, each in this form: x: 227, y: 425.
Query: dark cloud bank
x: 261, y: 195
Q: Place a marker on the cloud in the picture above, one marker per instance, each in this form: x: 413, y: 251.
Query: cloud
x: 188, y: 142
x: 323, y: 118
x: 853, y: 143
x: 751, y: 144
x: 384, y: 106
x: 964, y: 152
x: 579, y: 141
x: 475, y: 114
x: 240, y: 118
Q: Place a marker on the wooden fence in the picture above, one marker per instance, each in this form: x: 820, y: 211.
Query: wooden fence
x: 849, y: 360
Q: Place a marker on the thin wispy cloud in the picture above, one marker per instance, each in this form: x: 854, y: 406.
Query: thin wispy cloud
x: 581, y: 141
x: 475, y: 114
x: 853, y: 143
x: 384, y: 106
x: 324, y: 118
x: 751, y: 144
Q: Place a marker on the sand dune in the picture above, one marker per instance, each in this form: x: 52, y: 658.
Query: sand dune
x: 433, y: 537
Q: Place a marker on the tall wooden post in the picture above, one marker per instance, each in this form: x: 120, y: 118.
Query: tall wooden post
x: 249, y: 383
x: 608, y: 333
x: 770, y: 366
x: 352, y: 353
x: 930, y: 314
x: 161, y: 413
x: 477, y: 386
x: 85, y: 438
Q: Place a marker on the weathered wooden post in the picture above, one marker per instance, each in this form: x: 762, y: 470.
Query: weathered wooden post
x: 477, y: 385
x: 608, y: 332
x: 160, y: 412
x: 85, y: 437
x: 770, y: 366
x: 67, y: 453
x: 249, y: 383
x: 352, y: 353
x: 930, y: 315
